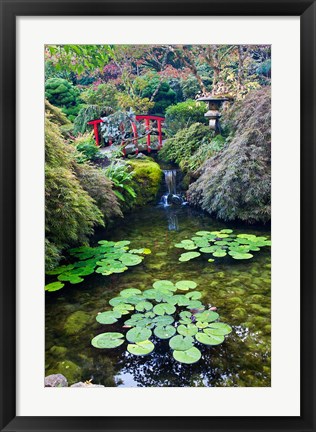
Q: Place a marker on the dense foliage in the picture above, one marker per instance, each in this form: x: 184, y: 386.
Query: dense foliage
x: 236, y: 183
x: 63, y: 94
x: 184, y: 114
x: 185, y: 143
x: 116, y: 82
x: 72, y: 195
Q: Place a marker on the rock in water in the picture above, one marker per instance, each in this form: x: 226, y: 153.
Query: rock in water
x: 56, y: 380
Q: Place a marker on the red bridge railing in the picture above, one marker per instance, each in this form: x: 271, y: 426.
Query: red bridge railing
x: 147, y: 119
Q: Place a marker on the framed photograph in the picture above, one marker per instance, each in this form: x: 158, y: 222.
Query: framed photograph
x: 157, y: 216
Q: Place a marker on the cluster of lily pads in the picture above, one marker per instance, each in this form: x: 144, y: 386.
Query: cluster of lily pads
x: 161, y: 312
x: 107, y: 258
x: 221, y: 243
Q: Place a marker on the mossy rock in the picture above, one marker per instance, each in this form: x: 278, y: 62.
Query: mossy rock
x: 69, y: 369
x: 58, y: 351
x: 240, y: 313
x: 146, y: 180
x: 76, y: 322
x: 235, y: 300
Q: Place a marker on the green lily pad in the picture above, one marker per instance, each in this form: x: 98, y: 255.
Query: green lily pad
x: 141, y: 348
x: 108, y: 317
x: 134, y: 300
x: 203, y: 233
x: 123, y: 308
x: 196, y: 304
x: 188, y: 330
x: 165, y: 332
x: 116, y: 301
x: 61, y: 269
x: 108, y: 340
x: 226, y: 231
x: 138, y: 334
x: 190, y: 356
x: 120, y: 243
x: 73, y: 279
x: 179, y: 299
x: 129, y: 292
x: 240, y: 256
x: 207, y: 316
x: 157, y: 295
x: 145, y: 322
x: 163, y: 320
x: 218, y: 329
x: 143, y: 306
x: 150, y: 314
x: 208, y: 339
x: 164, y: 309
x: 179, y: 245
x: 130, y: 259
x: 144, y: 251
x: 187, y: 256
x: 185, y: 317
x: 210, y: 249
x: 219, y: 254
x: 54, y: 286
x: 193, y: 295
x: 202, y: 324
x: 181, y: 343
x: 164, y: 284
x: 186, y: 285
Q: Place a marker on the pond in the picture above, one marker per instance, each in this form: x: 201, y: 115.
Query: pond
x: 240, y: 290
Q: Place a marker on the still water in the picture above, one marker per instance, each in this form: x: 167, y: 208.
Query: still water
x: 239, y: 289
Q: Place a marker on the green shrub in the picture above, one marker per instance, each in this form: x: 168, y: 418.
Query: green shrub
x: 86, y: 148
x: 190, y: 87
x: 236, y: 184
x: 204, y: 152
x: 100, y: 188
x: 185, y: 143
x: 183, y: 114
x: 61, y: 92
x: 72, y: 112
x: 104, y: 95
x: 121, y: 176
x: 134, y: 102
x: 55, y: 114
x: 165, y: 96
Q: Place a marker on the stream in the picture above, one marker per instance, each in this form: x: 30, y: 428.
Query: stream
x: 241, y: 291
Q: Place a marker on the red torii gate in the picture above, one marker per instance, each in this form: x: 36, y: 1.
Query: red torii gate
x: 147, y: 119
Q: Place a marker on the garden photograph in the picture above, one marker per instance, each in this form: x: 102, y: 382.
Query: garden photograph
x: 157, y: 215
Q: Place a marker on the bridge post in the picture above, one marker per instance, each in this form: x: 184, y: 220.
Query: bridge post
x: 159, y: 134
x: 135, y: 140
x: 148, y: 135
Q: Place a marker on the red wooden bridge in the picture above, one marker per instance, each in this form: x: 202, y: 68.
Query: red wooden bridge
x: 153, y: 127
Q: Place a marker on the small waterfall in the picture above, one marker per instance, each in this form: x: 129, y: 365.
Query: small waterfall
x: 171, y: 181
x: 171, y: 197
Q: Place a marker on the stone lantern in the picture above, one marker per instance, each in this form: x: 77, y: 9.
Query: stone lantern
x: 213, y: 114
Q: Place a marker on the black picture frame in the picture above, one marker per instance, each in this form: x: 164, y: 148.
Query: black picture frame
x: 12, y: 9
